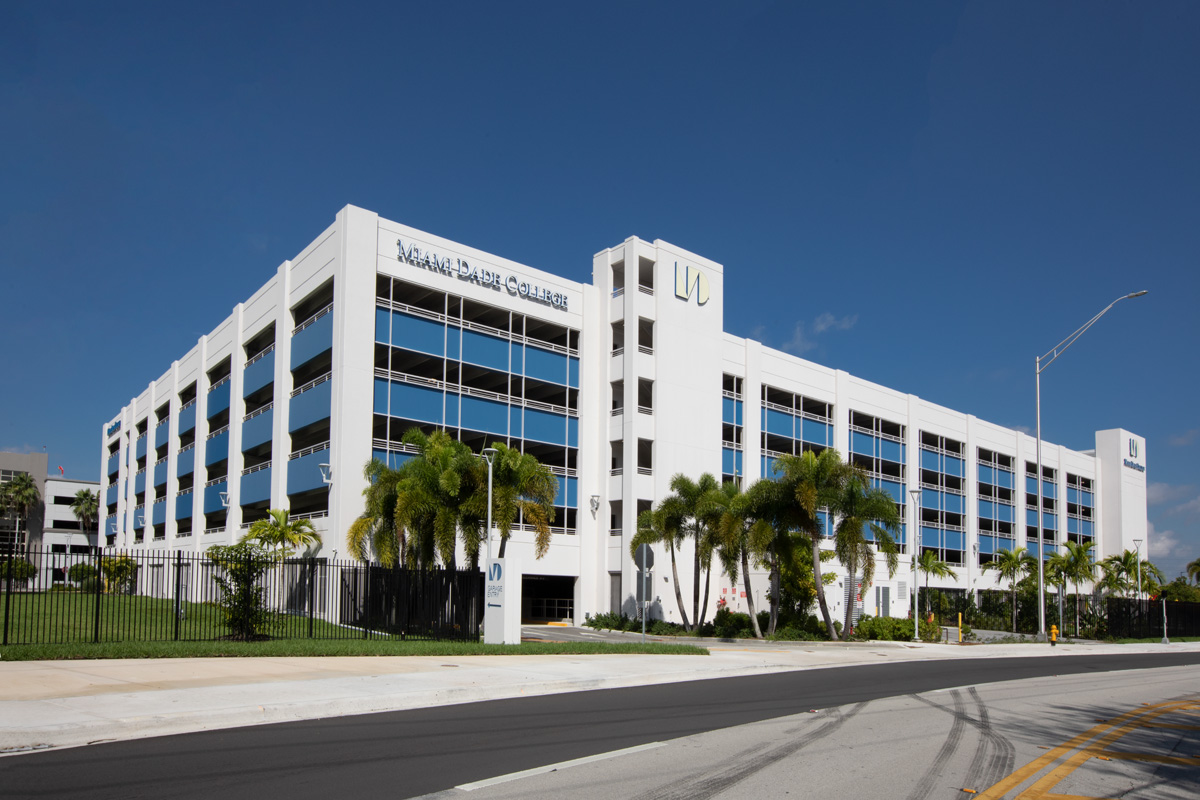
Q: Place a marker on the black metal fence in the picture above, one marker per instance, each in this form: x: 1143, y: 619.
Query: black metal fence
x: 1152, y: 619
x: 156, y: 596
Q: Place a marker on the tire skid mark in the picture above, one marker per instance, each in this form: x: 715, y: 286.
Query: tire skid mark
x: 711, y: 784
x: 1004, y: 754
x: 938, y: 765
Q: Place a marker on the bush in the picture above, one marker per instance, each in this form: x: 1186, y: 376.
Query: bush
x: 610, y: 620
x: 243, y: 601
x: 732, y: 625
x: 19, y: 569
x: 120, y: 574
x: 78, y: 573
x: 88, y: 585
x: 790, y: 634
x: 886, y: 629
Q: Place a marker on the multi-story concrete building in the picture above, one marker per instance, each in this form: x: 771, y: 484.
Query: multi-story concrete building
x: 23, y: 531
x: 617, y: 385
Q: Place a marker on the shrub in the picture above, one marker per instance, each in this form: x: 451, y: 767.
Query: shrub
x: 19, y: 569
x: 120, y: 574
x: 243, y: 601
x: 610, y: 620
x: 790, y: 634
x: 731, y: 625
x: 78, y: 573
x: 887, y: 629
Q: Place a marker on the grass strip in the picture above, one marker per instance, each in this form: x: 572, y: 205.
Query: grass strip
x: 283, y: 648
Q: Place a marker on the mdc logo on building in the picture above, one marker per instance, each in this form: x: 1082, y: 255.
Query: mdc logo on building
x: 689, y: 279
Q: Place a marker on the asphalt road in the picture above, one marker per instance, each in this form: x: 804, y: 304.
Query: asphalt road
x: 413, y: 753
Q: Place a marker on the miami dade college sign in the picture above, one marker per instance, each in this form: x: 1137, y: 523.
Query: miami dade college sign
x: 1133, y: 453
x: 458, y: 267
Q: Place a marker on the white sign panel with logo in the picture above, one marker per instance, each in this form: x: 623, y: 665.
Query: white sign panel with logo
x: 502, y: 602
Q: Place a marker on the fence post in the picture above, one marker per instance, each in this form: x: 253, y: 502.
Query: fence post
x: 8, y: 572
x: 178, y: 591
x: 312, y: 585
x: 99, y: 594
x: 367, y: 603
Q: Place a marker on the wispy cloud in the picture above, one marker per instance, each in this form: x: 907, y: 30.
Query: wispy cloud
x: 1159, y: 493
x: 1191, y: 508
x: 1163, y: 544
x: 828, y: 321
x: 22, y: 448
x: 1185, y: 438
x: 1023, y: 429
x: 804, y: 336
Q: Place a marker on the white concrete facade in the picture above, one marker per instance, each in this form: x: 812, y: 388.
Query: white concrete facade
x: 651, y: 381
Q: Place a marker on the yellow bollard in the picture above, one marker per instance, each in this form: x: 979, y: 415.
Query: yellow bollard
x: 1053, y: 635
x: 960, y: 627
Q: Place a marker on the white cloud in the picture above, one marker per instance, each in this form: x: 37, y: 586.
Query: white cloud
x: 1185, y: 438
x: 799, y: 343
x: 1163, y: 544
x: 1159, y: 493
x: 828, y: 321
x: 1025, y: 429
x: 1191, y: 507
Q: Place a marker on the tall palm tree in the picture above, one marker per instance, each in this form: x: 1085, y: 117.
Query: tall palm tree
x: 375, y: 531
x: 277, y: 530
x: 1012, y: 565
x: 735, y: 530
x: 811, y: 482
x: 1058, y: 567
x: 86, y: 508
x: 697, y: 522
x: 859, y: 508
x: 1081, y: 567
x: 436, y: 498
x: 521, y: 486
x: 1193, y: 570
x: 22, y: 494
x: 1122, y: 570
x: 929, y: 564
x: 662, y: 525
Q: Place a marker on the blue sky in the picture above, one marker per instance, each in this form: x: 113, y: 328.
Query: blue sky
x: 926, y: 195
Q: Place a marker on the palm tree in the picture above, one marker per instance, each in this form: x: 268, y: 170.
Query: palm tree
x: 86, y: 507
x: 522, y: 486
x: 436, y: 498
x: 929, y: 564
x: 858, y: 508
x: 811, y: 482
x: 1122, y: 571
x: 1193, y: 570
x: 662, y: 525
x: 376, y: 529
x: 735, y: 530
x: 22, y: 494
x: 277, y: 530
x: 1057, y: 575
x: 1012, y: 564
x: 1080, y: 567
x: 697, y: 522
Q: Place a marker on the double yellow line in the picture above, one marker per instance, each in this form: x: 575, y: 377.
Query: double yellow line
x: 1108, y: 733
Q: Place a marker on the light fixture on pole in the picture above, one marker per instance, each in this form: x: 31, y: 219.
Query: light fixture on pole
x: 595, y: 503
x: 1049, y: 359
x: 915, y: 494
x: 224, y: 499
x: 326, y: 474
x: 1137, y: 545
x: 489, y: 455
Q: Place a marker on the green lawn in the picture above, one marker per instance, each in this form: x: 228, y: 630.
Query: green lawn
x: 279, y: 648
x: 63, y: 617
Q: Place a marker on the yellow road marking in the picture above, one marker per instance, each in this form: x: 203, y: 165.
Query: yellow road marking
x: 1187, y: 761
x: 1117, y: 726
x: 1171, y: 726
x: 1052, y: 778
x: 1019, y: 776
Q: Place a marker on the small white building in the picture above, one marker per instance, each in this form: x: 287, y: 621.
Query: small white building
x: 617, y: 385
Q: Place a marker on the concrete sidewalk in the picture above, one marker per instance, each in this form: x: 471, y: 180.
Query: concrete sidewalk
x: 68, y: 703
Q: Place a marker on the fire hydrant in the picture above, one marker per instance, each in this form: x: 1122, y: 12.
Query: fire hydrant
x: 1053, y: 635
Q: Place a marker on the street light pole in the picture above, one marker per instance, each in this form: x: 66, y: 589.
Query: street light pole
x: 1049, y: 358
x: 489, y: 455
x: 915, y: 494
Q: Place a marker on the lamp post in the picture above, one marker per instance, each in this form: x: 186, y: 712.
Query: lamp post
x: 1049, y: 359
x: 1137, y: 544
x: 915, y: 494
x: 489, y: 455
